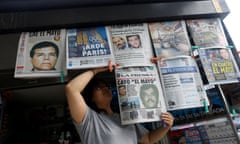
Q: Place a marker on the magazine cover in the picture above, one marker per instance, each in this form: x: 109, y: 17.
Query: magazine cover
x: 207, y: 32
x: 131, y: 44
x: 185, y: 134
x: 41, y: 54
x: 140, y: 94
x: 218, y: 64
x: 169, y: 38
x: 182, y: 83
x: 88, y: 48
x: 217, y: 131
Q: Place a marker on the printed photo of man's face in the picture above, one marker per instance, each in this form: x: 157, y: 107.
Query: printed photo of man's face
x: 149, y: 95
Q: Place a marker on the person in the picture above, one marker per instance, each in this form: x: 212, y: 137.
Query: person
x: 119, y: 42
x: 134, y: 41
x: 224, y: 54
x: 89, y: 104
x: 122, y: 90
x: 149, y: 95
x: 44, y: 56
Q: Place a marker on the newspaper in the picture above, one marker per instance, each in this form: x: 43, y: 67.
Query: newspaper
x: 131, y: 44
x: 218, y: 64
x: 140, y: 94
x: 182, y: 83
x: 215, y: 131
x: 185, y: 134
x: 41, y: 54
x: 170, y: 38
x: 207, y: 32
x: 88, y: 48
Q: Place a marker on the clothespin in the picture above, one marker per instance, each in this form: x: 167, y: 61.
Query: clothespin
x: 194, y: 53
x: 195, y: 47
x: 234, y: 113
x: 154, y: 60
x: 205, y: 106
x: 62, y: 77
x: 110, y: 66
x: 229, y: 46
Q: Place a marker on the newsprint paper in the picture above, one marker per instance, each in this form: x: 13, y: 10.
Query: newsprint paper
x: 131, y: 44
x: 88, y: 48
x: 41, y: 54
x: 182, y: 83
x: 140, y: 94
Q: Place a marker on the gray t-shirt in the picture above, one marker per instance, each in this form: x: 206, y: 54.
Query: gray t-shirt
x: 99, y: 128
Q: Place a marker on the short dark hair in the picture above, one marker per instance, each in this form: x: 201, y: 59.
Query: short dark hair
x: 136, y: 35
x: 42, y: 45
x: 148, y: 86
x: 88, y: 92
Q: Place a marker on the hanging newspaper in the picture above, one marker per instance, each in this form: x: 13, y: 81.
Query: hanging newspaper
x: 131, y: 44
x: 207, y: 32
x: 140, y: 94
x: 170, y: 38
x: 88, y: 48
x: 218, y: 64
x: 182, y: 83
x: 217, y: 131
x: 41, y: 54
x: 185, y: 134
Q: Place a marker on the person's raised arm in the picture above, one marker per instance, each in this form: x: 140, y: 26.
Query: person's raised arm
x: 74, y: 89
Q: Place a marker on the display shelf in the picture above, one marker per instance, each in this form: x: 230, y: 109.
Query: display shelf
x: 110, y: 14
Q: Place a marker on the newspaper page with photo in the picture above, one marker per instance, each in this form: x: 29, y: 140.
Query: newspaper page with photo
x: 41, y: 54
x: 207, y: 32
x: 218, y: 64
x: 88, y: 48
x: 140, y: 94
x: 217, y: 131
x: 182, y: 83
x: 185, y: 134
x: 169, y: 38
x: 131, y: 44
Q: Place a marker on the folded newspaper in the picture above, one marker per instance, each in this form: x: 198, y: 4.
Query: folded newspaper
x: 41, y: 54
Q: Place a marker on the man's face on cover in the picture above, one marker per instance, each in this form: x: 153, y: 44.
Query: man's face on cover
x: 149, y: 98
x: 44, y: 58
x: 118, y: 42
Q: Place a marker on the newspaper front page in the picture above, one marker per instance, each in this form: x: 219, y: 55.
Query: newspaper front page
x: 207, y: 32
x: 131, y: 44
x: 219, y: 65
x: 88, y: 48
x: 170, y: 38
x: 140, y: 94
x: 182, y: 83
x: 41, y: 54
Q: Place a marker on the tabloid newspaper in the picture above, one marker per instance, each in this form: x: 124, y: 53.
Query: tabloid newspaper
x: 140, y: 94
x: 185, y: 134
x: 182, y: 83
x: 218, y: 64
x: 88, y: 48
x: 41, y: 54
x: 131, y: 44
x: 170, y: 38
x: 207, y: 32
x: 215, y: 131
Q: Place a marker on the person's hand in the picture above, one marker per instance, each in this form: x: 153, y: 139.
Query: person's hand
x: 100, y: 69
x: 167, y: 118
